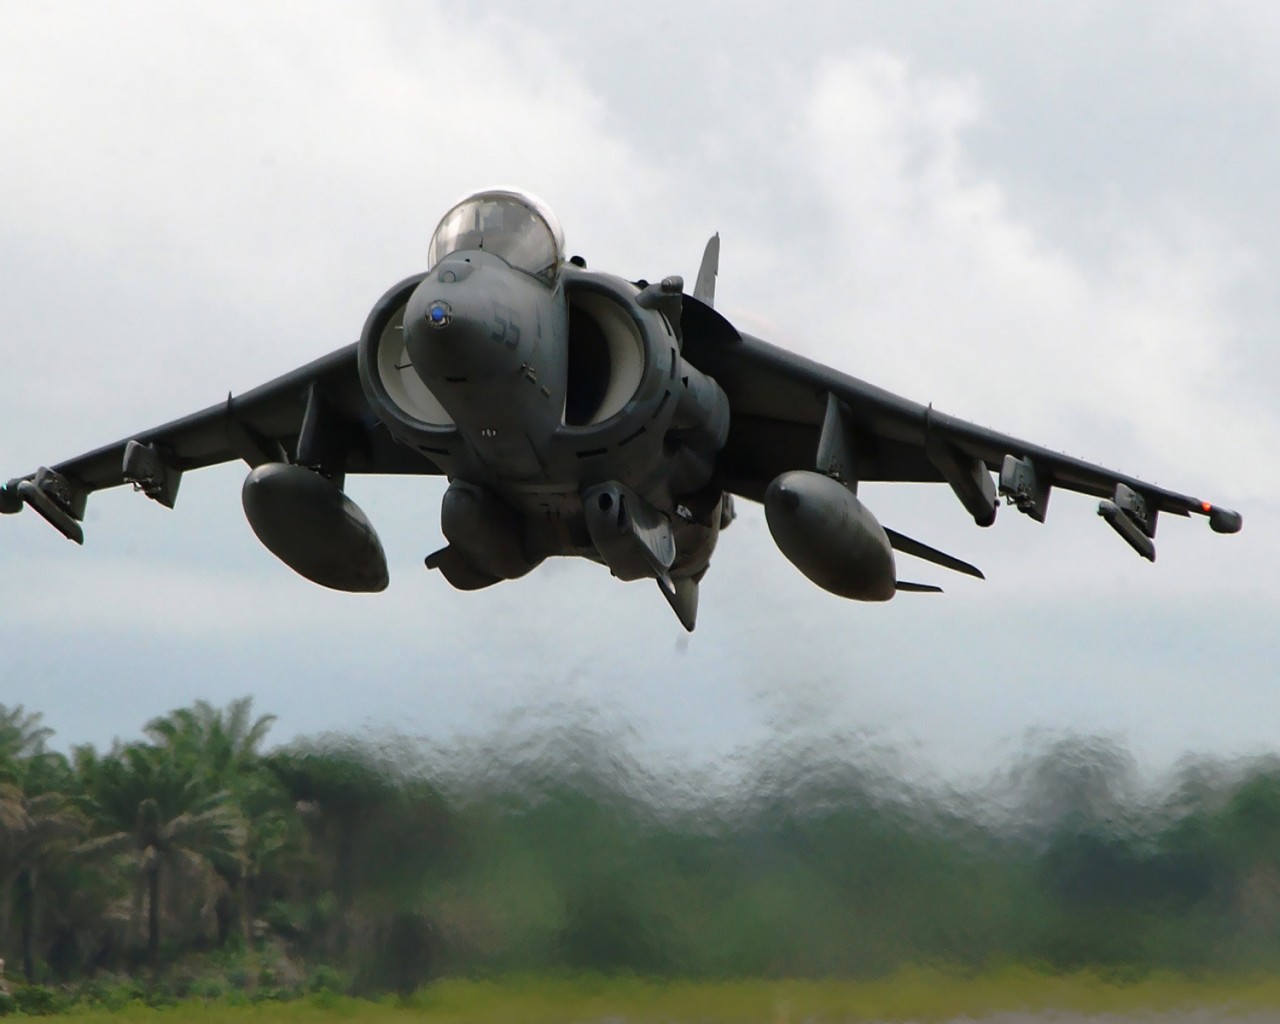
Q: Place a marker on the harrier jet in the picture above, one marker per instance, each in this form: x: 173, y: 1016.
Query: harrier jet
x: 577, y: 413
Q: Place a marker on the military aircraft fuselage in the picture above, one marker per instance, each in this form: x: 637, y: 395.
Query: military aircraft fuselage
x: 561, y: 411
x: 566, y: 410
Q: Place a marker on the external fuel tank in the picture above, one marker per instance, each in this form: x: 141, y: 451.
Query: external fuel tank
x: 830, y: 536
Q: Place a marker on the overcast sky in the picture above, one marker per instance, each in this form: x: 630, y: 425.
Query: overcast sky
x: 1057, y: 220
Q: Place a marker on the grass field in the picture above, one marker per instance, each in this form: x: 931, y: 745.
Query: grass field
x: 916, y: 995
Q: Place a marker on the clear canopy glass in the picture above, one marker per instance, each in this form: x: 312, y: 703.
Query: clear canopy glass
x: 512, y: 225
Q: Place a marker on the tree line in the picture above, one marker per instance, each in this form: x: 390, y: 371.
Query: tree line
x: 197, y: 860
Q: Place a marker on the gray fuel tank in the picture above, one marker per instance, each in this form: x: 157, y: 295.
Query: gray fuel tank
x: 307, y: 522
x: 830, y: 536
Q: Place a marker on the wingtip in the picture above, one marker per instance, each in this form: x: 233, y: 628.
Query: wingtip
x: 11, y: 501
x: 1223, y: 520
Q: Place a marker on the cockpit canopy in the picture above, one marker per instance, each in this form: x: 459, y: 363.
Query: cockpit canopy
x: 513, y: 225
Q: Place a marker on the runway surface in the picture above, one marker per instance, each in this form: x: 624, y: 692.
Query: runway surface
x: 1215, y: 1016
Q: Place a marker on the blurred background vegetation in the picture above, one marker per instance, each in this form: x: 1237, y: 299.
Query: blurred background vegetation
x: 200, y: 862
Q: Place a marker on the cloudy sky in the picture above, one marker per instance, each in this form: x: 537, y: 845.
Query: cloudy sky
x: 1057, y: 220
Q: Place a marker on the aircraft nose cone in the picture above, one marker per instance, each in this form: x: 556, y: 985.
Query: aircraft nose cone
x: 474, y: 318
x: 448, y: 325
x: 439, y: 314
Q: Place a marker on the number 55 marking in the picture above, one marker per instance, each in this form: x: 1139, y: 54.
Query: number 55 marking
x: 505, y: 329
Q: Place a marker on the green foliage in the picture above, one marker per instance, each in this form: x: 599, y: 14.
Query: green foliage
x: 113, y: 995
x: 324, y: 978
x: 194, y: 865
x: 36, y: 1001
x: 153, y: 809
x: 21, y: 734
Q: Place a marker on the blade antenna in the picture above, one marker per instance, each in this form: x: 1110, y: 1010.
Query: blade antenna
x: 704, y: 289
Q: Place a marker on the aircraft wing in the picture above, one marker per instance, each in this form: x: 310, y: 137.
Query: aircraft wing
x: 316, y: 415
x: 789, y: 412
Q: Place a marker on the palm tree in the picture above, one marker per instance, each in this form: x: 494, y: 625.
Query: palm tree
x: 150, y: 807
x: 221, y: 747
x: 36, y: 825
x: 12, y: 823
x: 21, y: 734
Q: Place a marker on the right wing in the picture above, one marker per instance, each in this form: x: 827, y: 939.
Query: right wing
x: 316, y: 415
x: 789, y: 412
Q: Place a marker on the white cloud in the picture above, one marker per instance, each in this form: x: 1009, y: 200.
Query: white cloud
x: 221, y: 194
x: 931, y: 284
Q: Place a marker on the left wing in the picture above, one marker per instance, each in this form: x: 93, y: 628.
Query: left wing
x: 789, y: 412
x: 315, y: 415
